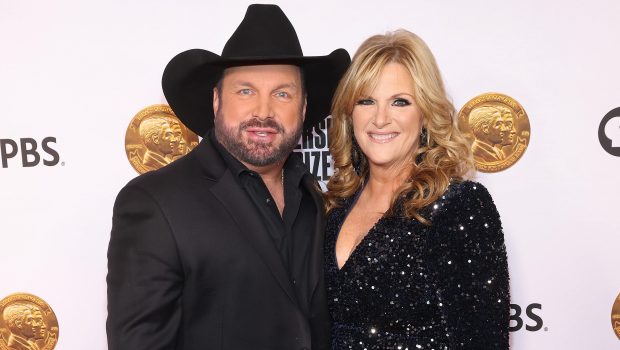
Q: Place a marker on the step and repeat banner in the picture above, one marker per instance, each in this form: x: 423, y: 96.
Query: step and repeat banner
x: 81, y: 99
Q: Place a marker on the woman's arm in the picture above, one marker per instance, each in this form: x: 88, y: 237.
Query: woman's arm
x: 472, y: 267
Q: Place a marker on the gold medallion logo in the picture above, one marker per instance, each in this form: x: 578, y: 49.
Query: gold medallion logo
x: 615, y: 317
x: 500, y: 129
x: 155, y: 138
x: 27, y: 323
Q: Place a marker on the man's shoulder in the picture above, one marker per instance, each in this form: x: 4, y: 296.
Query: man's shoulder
x: 18, y: 343
x: 169, y: 177
x: 179, y: 182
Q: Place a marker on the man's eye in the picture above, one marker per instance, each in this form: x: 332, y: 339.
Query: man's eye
x: 245, y: 92
x: 283, y: 94
x: 365, y: 102
x: 401, y: 102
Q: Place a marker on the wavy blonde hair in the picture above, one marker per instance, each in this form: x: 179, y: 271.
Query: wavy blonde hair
x: 444, y: 154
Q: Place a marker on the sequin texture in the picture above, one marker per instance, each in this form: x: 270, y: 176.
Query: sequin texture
x: 411, y: 286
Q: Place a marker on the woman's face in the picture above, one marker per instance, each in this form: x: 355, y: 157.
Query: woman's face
x: 387, y: 122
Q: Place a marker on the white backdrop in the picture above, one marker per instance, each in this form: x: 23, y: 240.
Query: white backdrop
x: 79, y: 71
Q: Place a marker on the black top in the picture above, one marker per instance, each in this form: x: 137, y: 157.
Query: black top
x: 292, y: 232
x: 411, y: 286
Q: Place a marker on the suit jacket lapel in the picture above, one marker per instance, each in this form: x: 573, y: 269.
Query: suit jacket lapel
x: 316, y: 254
x: 243, y: 212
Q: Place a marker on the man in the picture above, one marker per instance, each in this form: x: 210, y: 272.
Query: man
x: 509, y: 130
x: 181, y: 147
x: 223, y: 248
x: 487, y: 125
x: 159, y: 140
x: 26, y: 326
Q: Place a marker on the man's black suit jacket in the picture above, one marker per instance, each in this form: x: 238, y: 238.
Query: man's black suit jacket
x: 191, y: 266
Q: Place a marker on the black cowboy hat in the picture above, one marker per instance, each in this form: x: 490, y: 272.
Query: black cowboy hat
x: 265, y: 36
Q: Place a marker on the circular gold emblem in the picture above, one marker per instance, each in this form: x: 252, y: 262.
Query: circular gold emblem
x: 615, y: 317
x: 155, y: 138
x: 500, y: 129
x: 27, y: 323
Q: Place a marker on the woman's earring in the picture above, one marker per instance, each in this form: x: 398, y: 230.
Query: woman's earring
x: 358, y: 160
x: 423, y: 137
x: 423, y: 143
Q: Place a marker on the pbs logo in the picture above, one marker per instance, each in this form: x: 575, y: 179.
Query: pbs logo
x: 527, y: 317
x: 28, y: 152
x: 609, y: 132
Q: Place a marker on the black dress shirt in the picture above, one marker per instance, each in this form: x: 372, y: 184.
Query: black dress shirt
x: 292, y: 231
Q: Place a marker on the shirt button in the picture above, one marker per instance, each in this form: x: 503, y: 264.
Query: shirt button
x: 294, y: 281
x: 268, y: 200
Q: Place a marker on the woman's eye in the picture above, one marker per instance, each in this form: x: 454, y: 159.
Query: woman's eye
x: 365, y: 102
x: 401, y: 102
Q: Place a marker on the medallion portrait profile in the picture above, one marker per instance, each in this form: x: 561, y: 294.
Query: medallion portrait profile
x: 493, y: 129
x: 155, y: 138
x: 27, y: 323
x: 499, y: 129
x: 160, y: 141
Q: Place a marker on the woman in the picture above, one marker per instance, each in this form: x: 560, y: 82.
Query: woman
x: 415, y: 255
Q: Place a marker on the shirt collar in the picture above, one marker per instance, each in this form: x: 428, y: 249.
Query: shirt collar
x: 294, y: 167
x: 232, y: 163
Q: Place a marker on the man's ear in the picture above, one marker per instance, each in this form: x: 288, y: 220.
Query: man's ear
x: 216, y: 101
x: 485, y: 128
x: 303, y: 110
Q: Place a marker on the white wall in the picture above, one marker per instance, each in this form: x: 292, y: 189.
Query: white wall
x: 80, y: 70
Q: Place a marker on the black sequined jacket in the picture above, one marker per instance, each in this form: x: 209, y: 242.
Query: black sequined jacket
x: 412, y: 286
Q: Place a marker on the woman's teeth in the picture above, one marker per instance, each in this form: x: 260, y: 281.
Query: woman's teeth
x: 382, y: 137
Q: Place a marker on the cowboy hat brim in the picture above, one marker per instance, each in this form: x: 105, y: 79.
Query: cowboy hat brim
x: 189, y: 79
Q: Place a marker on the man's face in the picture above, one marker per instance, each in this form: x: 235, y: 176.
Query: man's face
x: 180, y: 142
x: 496, y: 128
x: 167, y: 140
x: 509, y: 131
x: 259, y: 112
x: 33, y: 326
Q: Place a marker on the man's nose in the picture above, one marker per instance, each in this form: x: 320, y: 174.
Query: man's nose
x: 264, y: 107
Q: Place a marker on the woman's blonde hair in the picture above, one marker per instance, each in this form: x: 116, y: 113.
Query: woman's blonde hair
x: 444, y: 153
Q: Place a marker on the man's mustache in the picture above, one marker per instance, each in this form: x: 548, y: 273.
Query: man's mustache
x: 257, y: 123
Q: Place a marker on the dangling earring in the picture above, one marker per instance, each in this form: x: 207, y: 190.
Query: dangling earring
x: 423, y: 143
x: 423, y: 137
x: 358, y: 160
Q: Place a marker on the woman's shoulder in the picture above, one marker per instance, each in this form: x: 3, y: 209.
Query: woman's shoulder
x: 464, y: 201
x: 465, y: 193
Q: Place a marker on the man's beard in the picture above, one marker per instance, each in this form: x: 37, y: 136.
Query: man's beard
x: 256, y: 153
